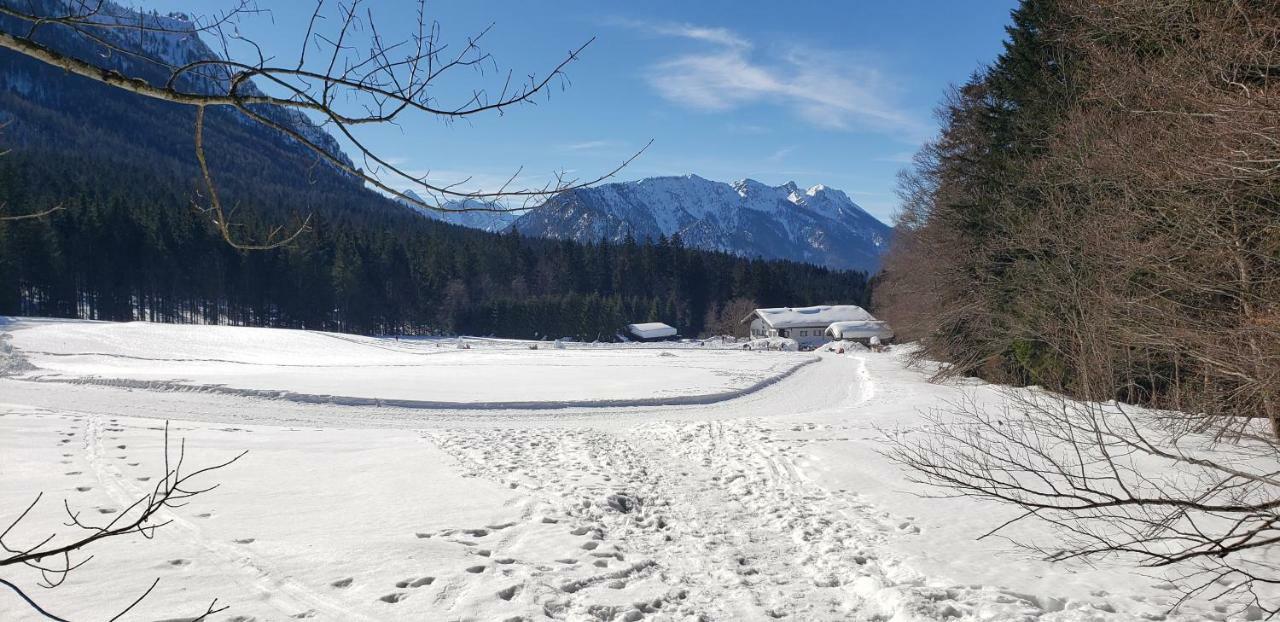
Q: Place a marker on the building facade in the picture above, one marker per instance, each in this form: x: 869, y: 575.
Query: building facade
x: 806, y: 325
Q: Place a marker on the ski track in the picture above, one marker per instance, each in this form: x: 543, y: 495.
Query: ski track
x: 281, y: 594
x: 701, y: 520
x: 338, y: 400
x: 688, y: 512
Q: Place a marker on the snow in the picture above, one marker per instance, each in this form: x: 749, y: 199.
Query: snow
x: 823, y: 315
x: 789, y: 222
x: 486, y: 216
x: 860, y: 329
x: 777, y: 503
x: 651, y: 330
x: 417, y: 373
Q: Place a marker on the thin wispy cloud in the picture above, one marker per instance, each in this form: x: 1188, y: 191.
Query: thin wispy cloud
x: 781, y: 154
x: 828, y: 89
x: 589, y: 145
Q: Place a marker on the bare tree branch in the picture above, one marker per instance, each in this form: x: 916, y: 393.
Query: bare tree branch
x: 350, y: 84
x: 55, y: 558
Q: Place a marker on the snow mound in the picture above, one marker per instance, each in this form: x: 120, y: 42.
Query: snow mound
x: 781, y: 344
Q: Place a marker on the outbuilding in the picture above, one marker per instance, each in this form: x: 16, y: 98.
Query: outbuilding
x: 862, y: 331
x: 650, y: 331
x: 806, y: 325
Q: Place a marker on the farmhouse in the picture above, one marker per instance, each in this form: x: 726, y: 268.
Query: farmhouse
x: 861, y: 331
x: 806, y: 325
x: 650, y: 331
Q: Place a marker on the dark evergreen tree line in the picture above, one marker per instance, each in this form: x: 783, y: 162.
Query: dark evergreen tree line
x: 129, y: 246
x: 1101, y: 212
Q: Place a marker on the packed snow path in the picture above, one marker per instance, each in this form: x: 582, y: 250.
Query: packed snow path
x: 772, y: 505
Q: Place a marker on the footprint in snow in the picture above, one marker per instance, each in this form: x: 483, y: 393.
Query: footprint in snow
x: 415, y: 582
x: 245, y: 541
x: 342, y: 582
x: 393, y: 597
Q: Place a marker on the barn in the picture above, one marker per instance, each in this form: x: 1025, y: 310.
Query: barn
x: 806, y: 325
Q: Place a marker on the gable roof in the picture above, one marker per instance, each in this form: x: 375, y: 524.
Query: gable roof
x: 823, y: 315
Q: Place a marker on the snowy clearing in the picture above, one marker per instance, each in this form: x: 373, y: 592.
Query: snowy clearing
x: 415, y: 373
x: 773, y: 504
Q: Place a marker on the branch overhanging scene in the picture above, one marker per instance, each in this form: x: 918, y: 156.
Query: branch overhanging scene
x: 392, y: 310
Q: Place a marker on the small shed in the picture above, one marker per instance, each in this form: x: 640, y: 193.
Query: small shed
x: 650, y: 331
x: 860, y: 330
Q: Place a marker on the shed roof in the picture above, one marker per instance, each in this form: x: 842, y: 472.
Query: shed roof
x: 651, y: 330
x: 860, y: 329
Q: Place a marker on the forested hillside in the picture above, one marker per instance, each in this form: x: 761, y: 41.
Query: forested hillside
x: 1101, y: 214
x: 129, y: 241
x: 127, y: 245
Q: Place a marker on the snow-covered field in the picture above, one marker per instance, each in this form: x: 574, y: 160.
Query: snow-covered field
x: 415, y: 373
x: 686, y: 483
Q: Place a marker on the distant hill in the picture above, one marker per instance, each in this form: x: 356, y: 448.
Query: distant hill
x: 819, y: 225
x: 470, y: 213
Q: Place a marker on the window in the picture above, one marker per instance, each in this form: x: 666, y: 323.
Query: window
x: 804, y: 333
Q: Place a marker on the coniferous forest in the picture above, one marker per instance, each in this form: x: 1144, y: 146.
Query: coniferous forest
x: 129, y: 242
x: 1101, y: 213
x: 125, y: 247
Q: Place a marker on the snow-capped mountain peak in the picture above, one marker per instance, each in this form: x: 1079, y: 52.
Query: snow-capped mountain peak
x: 470, y: 213
x: 746, y: 217
x: 163, y: 43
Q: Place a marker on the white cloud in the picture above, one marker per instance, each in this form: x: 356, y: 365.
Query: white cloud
x: 720, y: 36
x: 827, y: 89
x: 589, y: 145
x: 781, y: 154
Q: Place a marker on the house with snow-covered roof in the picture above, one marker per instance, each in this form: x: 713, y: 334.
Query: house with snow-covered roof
x: 806, y: 325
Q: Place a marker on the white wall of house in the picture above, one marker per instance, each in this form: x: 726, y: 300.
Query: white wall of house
x: 806, y: 335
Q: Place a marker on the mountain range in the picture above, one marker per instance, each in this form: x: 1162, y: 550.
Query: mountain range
x: 469, y: 213
x: 818, y: 225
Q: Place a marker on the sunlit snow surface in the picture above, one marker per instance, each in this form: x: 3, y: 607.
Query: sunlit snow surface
x: 329, y: 367
x: 772, y: 504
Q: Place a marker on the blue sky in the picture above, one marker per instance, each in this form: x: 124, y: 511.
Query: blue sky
x: 838, y: 93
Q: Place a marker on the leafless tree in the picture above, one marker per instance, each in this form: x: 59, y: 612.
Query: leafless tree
x: 1132, y: 256
x: 54, y: 557
x: 346, y: 74
x: 1113, y: 483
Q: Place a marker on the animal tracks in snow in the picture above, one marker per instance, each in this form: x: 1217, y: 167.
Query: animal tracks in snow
x: 691, y: 519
